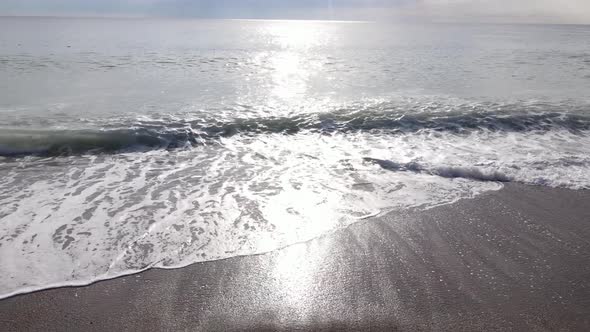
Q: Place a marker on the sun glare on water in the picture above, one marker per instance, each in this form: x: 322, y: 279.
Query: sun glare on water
x: 293, y: 61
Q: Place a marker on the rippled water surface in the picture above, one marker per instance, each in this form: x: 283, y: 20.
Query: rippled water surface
x: 129, y: 144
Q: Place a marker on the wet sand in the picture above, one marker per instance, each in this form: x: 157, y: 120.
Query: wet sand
x: 517, y: 259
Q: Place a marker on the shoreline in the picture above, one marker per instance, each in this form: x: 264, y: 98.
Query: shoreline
x: 513, y: 259
x: 79, y: 284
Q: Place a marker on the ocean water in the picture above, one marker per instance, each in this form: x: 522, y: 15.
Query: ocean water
x: 127, y: 144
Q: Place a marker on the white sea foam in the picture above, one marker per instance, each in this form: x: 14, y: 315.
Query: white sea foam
x: 77, y: 219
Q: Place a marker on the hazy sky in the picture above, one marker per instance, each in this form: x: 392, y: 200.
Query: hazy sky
x: 559, y: 11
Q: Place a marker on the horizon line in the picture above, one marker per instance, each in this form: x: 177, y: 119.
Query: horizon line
x: 425, y: 20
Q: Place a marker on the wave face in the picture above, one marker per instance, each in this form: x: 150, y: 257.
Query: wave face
x: 384, y: 119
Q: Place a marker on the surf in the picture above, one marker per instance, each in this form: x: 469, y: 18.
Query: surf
x: 381, y: 119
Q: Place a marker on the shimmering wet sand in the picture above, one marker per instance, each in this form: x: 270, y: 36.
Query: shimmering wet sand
x: 516, y: 259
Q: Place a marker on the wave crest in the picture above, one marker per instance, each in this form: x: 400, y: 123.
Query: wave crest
x: 141, y: 135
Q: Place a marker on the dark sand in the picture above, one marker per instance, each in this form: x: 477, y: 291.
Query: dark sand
x: 517, y: 259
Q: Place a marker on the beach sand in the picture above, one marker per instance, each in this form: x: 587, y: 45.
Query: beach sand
x: 516, y: 259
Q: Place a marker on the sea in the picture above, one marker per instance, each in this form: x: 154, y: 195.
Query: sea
x: 129, y: 144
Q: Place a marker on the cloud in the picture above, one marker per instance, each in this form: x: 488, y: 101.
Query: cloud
x: 559, y: 11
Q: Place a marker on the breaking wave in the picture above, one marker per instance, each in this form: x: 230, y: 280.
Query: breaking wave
x: 152, y: 134
x: 450, y: 172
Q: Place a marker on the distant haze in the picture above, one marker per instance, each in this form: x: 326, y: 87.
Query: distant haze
x: 514, y: 11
